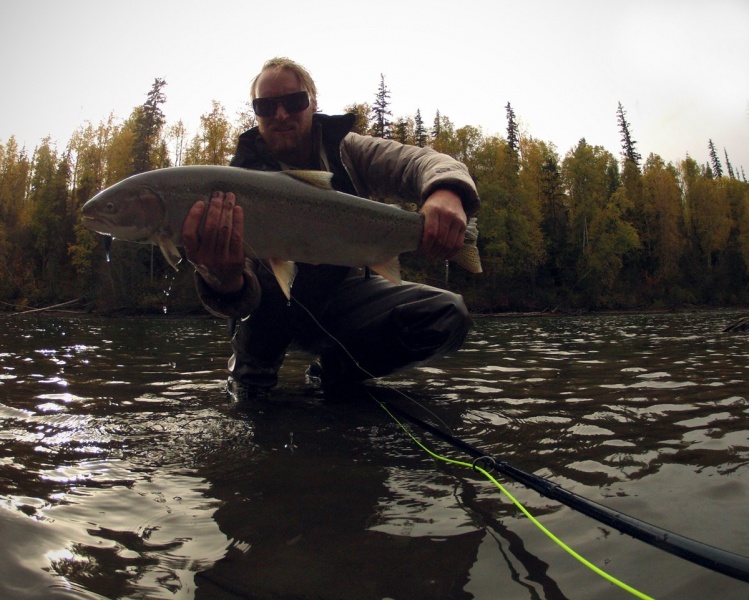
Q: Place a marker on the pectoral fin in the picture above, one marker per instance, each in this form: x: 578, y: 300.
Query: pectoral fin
x: 170, y: 252
x: 285, y: 272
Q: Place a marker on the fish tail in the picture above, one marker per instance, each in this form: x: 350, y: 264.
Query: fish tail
x: 468, y: 256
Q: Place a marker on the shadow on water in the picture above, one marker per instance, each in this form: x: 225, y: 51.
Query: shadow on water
x: 336, y: 511
x: 124, y: 471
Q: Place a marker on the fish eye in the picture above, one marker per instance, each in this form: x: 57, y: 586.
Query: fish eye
x: 110, y: 207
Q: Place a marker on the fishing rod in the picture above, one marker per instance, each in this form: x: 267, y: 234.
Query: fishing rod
x: 710, y: 557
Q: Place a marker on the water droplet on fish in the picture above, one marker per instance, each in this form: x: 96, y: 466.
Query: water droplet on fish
x: 169, y: 278
x: 107, y: 247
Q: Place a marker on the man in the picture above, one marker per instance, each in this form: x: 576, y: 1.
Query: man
x: 360, y: 325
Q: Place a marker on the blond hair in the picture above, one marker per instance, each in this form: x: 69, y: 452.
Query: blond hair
x: 282, y: 63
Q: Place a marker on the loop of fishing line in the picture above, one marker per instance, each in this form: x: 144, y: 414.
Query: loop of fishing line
x: 488, y: 460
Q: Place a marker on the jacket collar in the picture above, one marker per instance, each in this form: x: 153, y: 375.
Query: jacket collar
x: 253, y: 153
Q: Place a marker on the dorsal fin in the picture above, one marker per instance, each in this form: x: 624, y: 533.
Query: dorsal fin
x: 320, y: 179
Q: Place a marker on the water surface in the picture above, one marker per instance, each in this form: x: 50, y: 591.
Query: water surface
x: 125, y: 473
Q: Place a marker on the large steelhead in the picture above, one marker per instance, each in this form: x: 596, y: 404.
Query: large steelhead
x: 289, y: 216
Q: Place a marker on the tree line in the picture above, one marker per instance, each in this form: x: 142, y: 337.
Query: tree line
x: 587, y: 230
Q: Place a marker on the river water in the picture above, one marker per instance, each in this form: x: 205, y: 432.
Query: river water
x: 126, y: 473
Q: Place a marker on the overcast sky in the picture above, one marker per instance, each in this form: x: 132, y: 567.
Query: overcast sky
x: 679, y: 67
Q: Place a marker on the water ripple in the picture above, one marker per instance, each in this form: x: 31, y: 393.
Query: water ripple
x: 126, y: 473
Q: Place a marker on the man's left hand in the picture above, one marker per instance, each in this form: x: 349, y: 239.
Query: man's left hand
x: 444, y: 225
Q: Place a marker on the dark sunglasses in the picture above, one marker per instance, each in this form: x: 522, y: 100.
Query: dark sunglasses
x: 292, y: 103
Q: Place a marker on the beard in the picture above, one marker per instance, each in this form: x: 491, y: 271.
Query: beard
x: 292, y: 146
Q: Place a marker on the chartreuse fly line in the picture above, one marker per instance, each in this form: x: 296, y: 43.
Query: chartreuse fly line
x: 477, y: 467
x: 709, y: 557
x: 486, y: 474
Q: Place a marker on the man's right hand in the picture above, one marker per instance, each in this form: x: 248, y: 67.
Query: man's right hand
x: 216, y: 250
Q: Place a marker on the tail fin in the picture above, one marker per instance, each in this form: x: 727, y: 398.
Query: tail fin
x: 468, y: 256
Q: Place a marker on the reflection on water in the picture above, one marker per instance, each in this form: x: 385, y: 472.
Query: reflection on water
x: 125, y: 473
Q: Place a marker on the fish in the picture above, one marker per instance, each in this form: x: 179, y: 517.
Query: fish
x: 289, y: 217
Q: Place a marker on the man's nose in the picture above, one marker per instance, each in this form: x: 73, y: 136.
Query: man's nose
x: 281, y: 114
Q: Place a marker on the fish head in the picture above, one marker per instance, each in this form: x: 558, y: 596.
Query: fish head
x: 133, y: 213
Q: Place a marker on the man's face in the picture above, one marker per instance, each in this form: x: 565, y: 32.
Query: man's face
x: 289, y: 136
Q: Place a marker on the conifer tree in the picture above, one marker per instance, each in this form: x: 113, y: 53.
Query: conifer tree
x: 381, y: 126
x: 420, y: 131
x: 714, y: 160
x: 628, y: 144
x: 729, y: 166
x: 148, y: 123
x: 513, y: 149
x: 513, y: 136
x: 437, y: 126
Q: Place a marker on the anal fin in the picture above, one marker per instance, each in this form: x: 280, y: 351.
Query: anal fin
x: 390, y: 270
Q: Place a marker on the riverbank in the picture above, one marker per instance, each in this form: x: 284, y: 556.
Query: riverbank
x: 81, y: 308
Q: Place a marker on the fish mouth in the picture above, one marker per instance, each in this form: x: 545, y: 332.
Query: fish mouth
x: 97, y: 224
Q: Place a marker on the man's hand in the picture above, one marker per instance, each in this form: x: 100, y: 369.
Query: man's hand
x: 444, y: 225
x: 216, y: 250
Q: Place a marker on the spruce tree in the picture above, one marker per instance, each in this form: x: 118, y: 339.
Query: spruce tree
x: 420, y: 131
x: 628, y: 144
x: 437, y: 127
x: 729, y: 166
x: 513, y: 135
x: 381, y: 126
x: 717, y: 169
x: 148, y: 123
